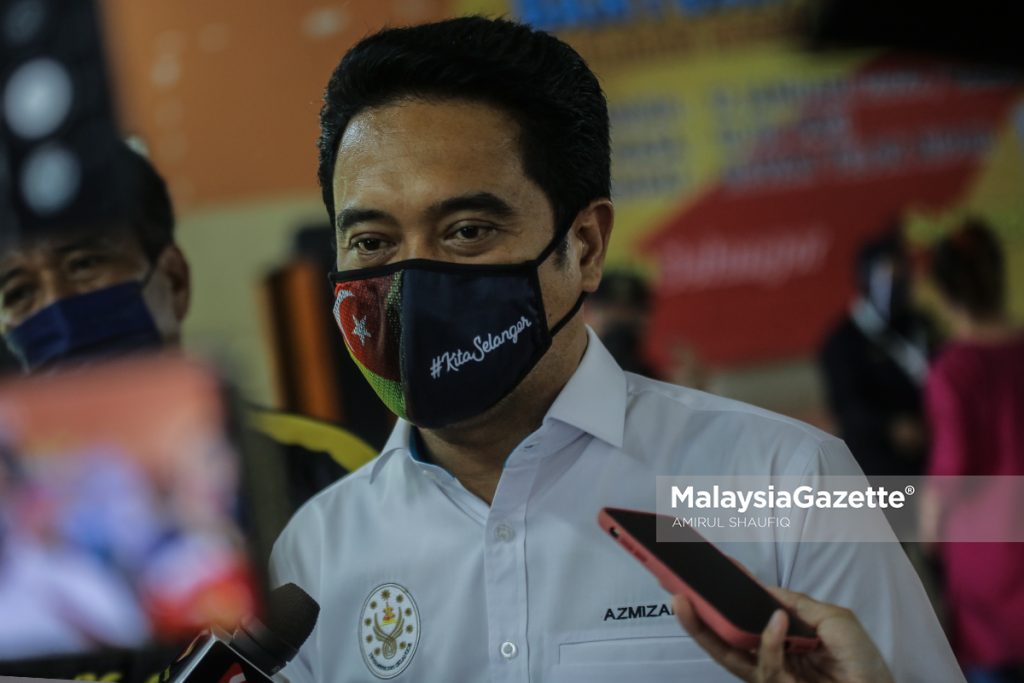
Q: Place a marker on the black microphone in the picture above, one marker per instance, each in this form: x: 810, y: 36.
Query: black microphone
x: 255, y: 651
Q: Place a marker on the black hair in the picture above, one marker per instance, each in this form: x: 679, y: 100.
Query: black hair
x: 146, y: 205
x: 536, y: 78
x: 135, y: 202
x: 969, y: 269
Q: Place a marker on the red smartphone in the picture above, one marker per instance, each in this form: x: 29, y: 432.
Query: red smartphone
x: 724, y: 594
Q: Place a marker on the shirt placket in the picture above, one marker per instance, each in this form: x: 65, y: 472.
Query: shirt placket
x: 505, y: 567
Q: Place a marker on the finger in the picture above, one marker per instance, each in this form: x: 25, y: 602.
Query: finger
x: 770, y: 656
x: 686, y: 615
x: 738, y: 662
x: 806, y: 607
x: 785, y: 596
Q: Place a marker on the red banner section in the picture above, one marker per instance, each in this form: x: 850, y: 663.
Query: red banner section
x: 761, y: 264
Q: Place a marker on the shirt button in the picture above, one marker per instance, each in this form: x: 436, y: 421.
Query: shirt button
x: 509, y: 650
x: 503, y: 532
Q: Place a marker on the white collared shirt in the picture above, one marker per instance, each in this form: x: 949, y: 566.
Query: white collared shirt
x: 530, y: 588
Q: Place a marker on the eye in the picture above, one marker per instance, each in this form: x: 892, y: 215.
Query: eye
x: 14, y: 295
x: 367, y: 245
x: 83, y: 263
x: 471, y: 232
x: 17, y: 298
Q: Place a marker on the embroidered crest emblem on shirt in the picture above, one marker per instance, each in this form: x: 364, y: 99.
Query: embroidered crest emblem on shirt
x: 389, y: 630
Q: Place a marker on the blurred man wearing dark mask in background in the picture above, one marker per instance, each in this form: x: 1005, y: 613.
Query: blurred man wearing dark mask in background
x: 875, y: 362
x: 75, y: 296
x: 66, y: 296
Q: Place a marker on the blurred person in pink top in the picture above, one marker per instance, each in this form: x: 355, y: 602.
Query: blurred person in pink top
x: 975, y: 406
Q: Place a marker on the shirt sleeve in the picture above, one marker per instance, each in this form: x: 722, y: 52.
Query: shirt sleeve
x: 877, y: 582
x: 946, y: 423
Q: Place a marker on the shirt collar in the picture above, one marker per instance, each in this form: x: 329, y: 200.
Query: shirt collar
x: 593, y: 401
x: 399, y: 441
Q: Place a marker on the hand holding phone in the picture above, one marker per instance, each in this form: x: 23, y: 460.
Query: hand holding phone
x: 733, y: 604
x: 847, y: 654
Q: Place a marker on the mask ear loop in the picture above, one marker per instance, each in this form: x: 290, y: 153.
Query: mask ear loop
x: 560, y: 235
x: 569, y: 316
x: 152, y: 265
x: 147, y: 277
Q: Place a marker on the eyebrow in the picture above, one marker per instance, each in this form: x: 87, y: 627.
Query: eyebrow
x: 485, y: 202
x: 478, y: 201
x: 349, y: 217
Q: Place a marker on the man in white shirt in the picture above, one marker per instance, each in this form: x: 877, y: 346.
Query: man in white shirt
x: 466, y: 165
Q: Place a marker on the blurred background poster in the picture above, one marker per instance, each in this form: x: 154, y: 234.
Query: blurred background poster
x: 747, y: 170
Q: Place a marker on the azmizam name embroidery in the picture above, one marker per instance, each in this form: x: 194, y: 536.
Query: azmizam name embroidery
x: 637, y: 612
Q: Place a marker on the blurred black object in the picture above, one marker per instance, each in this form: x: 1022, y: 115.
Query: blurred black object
x: 274, y: 641
x: 256, y: 650
x: 57, y: 125
x: 875, y: 360
x: 622, y: 288
x: 619, y: 313
x: 985, y: 31
x: 626, y: 344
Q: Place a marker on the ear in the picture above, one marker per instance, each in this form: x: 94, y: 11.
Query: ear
x: 171, y: 262
x: 591, y: 232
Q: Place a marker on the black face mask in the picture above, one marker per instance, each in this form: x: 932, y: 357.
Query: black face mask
x: 443, y: 342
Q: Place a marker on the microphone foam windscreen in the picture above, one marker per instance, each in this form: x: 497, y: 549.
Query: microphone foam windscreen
x: 291, y: 614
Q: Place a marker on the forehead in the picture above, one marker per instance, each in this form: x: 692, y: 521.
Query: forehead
x: 417, y: 148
